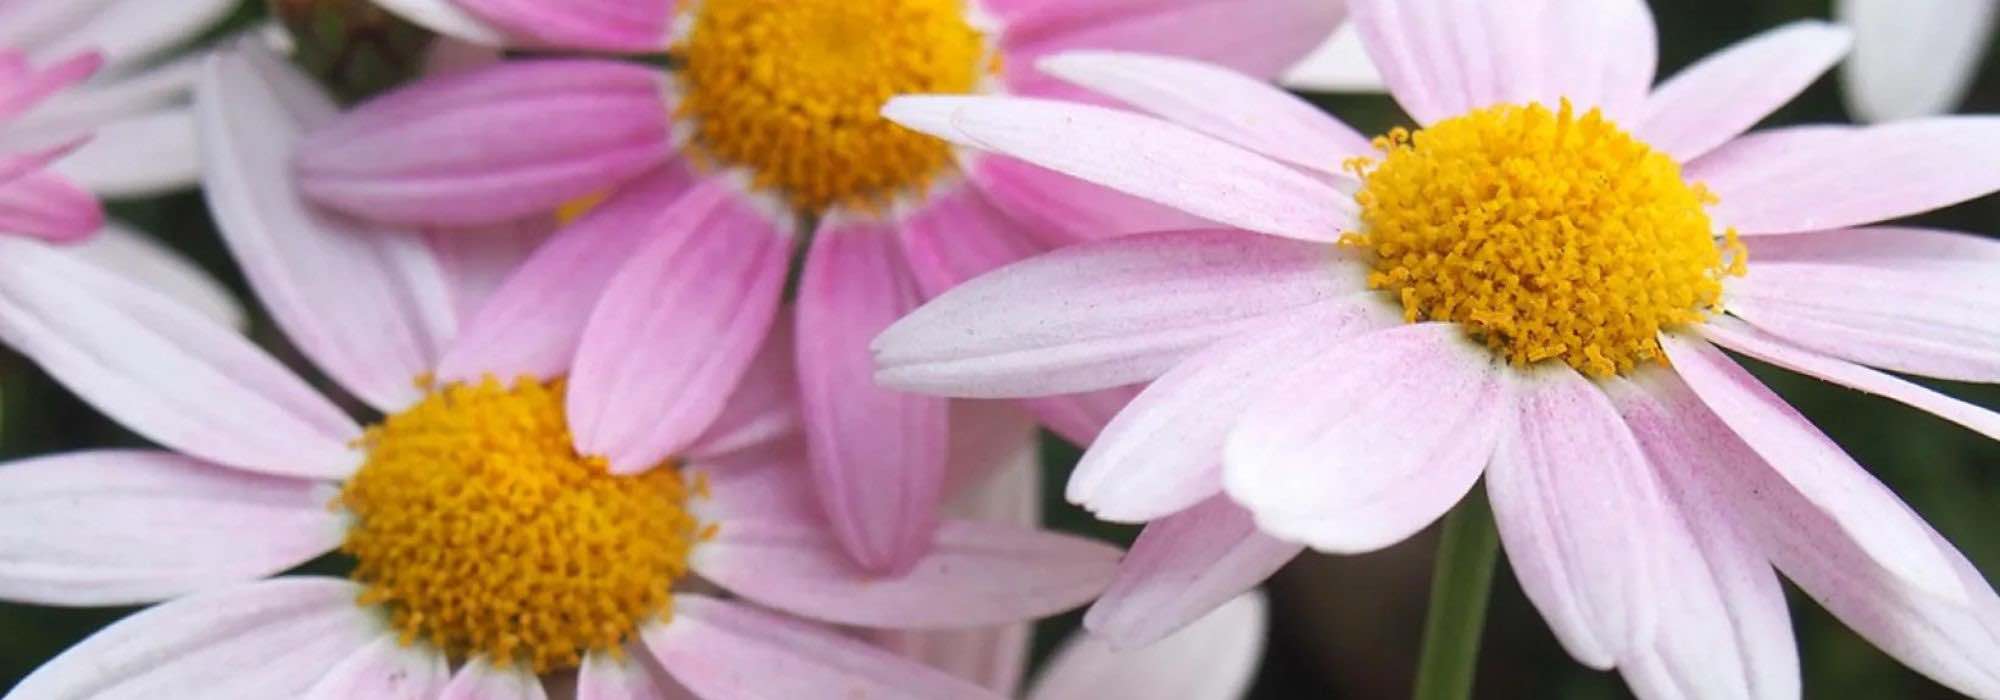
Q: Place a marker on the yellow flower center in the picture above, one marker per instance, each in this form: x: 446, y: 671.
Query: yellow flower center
x: 1546, y: 235
x: 792, y: 91
x: 482, y: 532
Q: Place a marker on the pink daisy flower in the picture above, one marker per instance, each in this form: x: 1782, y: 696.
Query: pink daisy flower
x: 482, y: 538
x: 1531, y: 288
x: 764, y: 133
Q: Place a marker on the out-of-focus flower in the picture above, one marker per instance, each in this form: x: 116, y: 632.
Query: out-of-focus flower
x: 480, y: 534
x: 1499, y: 294
x: 33, y: 201
x: 1913, y: 59
x: 767, y: 126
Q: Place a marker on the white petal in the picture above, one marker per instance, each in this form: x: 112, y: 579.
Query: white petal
x: 1339, y: 65
x: 481, y: 680
x: 1213, y: 659
x: 385, y: 669
x: 136, y: 256
x: 1913, y: 59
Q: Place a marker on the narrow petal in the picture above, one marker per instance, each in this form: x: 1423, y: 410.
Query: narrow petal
x: 533, y: 323
x: 1060, y: 210
x: 1257, y: 37
x: 1823, y: 475
x: 446, y: 18
x: 1182, y: 568
x: 628, y: 677
x: 269, y: 639
x: 481, y: 680
x: 473, y: 148
x: 1725, y: 94
x: 1163, y: 453
x: 165, y: 371
x: 713, y: 273
x: 1224, y: 104
x: 1814, y: 178
x: 626, y: 26
x: 1912, y: 59
x: 1575, y: 502
x: 976, y: 573
x: 1141, y: 156
x: 475, y: 262
x: 1340, y: 64
x: 723, y: 649
x: 146, y: 155
x: 385, y: 669
x: 369, y: 305
x: 1213, y: 659
x: 45, y: 206
x: 120, y: 527
x: 136, y: 256
x: 1105, y: 314
x: 957, y: 235
x: 1369, y: 442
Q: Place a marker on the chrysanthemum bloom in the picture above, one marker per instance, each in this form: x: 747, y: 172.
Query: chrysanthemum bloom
x: 765, y: 133
x: 481, y: 537
x: 1531, y: 287
x: 1913, y: 59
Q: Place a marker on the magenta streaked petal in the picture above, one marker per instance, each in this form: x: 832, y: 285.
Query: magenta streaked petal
x: 45, y: 206
x: 627, y: 26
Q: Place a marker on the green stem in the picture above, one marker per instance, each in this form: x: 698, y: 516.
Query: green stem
x: 1460, y: 582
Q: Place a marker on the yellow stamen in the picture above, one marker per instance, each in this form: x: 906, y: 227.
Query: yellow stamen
x: 1550, y: 237
x: 792, y: 91
x: 482, y: 531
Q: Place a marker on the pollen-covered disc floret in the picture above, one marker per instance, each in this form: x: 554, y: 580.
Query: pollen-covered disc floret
x: 792, y: 91
x: 482, y: 532
x: 1549, y: 236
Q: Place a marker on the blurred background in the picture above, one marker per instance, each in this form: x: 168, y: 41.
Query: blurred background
x: 1342, y: 627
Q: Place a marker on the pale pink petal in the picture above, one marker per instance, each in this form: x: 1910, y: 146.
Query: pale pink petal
x: 385, y: 669
x: 1079, y: 418
x: 1369, y: 442
x: 268, y: 639
x: 1724, y: 628
x: 45, y: 206
x: 878, y: 455
x: 532, y: 324
x: 698, y: 301
x: 1577, y: 505
x: 1442, y: 58
x: 1813, y: 178
x: 1823, y: 475
x: 1213, y: 659
x: 633, y: 677
x: 994, y: 464
x: 136, y: 256
x: 1181, y: 568
x: 368, y: 305
x: 25, y: 86
x: 993, y: 657
x: 1340, y: 64
x: 959, y: 234
x: 1060, y: 209
x: 481, y: 680
x: 446, y: 18
x: 727, y: 650
x: 976, y: 573
x: 476, y: 262
x: 1725, y: 94
x: 1746, y: 339
x: 115, y: 97
x: 764, y: 408
x: 119, y: 527
x: 146, y: 155
x: 165, y: 371
x: 1912, y: 59
x: 1230, y: 106
x: 1163, y: 453
x: 631, y: 26
x: 129, y: 31
x: 1258, y: 37
x: 475, y: 148
x: 765, y: 483
x: 1141, y: 156
x: 1893, y: 247
x: 1104, y: 314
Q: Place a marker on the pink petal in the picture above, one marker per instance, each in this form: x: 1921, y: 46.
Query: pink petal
x: 447, y: 19
x: 1216, y: 101
x: 608, y: 677
x: 993, y: 657
x: 475, y: 262
x: 268, y: 639
x: 1823, y: 475
x: 1163, y: 453
x: 699, y: 298
x: 627, y: 26
x: 385, y: 669
x: 128, y: 32
x: 763, y: 409
x: 1079, y: 418
x: 1140, y: 156
x: 533, y: 323
x: 878, y: 455
x: 959, y: 234
x: 165, y: 371
x: 994, y: 464
x: 1060, y: 209
x: 481, y: 680
x: 1912, y: 60
x: 25, y: 87
x: 975, y: 573
x: 1577, y: 504
x: 1182, y: 568
x: 151, y: 263
x: 1258, y: 37
x: 1371, y: 441
x: 1443, y: 58
x: 1814, y: 178
x: 1104, y: 314
x: 120, y: 527
x: 769, y: 482
x: 48, y: 207
x: 1746, y: 339
x: 1213, y: 659
x: 475, y: 148
x: 1725, y: 94
x: 722, y: 649
x: 368, y: 305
